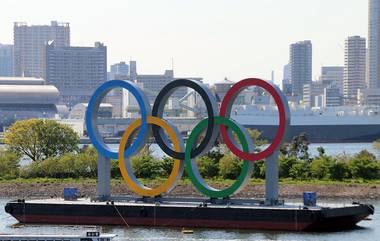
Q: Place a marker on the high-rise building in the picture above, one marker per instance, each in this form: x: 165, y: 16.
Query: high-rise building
x: 354, y: 69
x: 374, y: 44
x: 75, y: 71
x: 372, y: 94
x: 333, y: 76
x: 300, y: 65
x: 6, y: 60
x: 286, y: 72
x: 29, y: 42
x: 119, y: 69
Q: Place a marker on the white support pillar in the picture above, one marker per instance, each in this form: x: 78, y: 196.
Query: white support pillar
x: 271, y: 178
x: 104, y: 178
x: 271, y: 162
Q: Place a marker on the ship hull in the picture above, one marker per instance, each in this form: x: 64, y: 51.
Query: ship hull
x: 195, y: 216
x: 325, y: 133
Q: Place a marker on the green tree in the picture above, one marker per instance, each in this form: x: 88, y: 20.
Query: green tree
x: 364, y: 165
x: 40, y: 139
x: 320, y: 167
x: 230, y: 166
x: 300, y: 170
x: 208, y: 167
x: 339, y: 170
x: 286, y: 163
x: 145, y: 165
x: 9, y: 164
x: 321, y: 151
x: 298, y: 148
x: 259, y: 169
x: 167, y: 165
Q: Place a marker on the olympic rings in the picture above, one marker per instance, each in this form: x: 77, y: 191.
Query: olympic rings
x: 212, y: 131
x: 185, y: 155
x: 126, y: 167
x: 191, y: 165
x: 283, y: 109
x: 92, y: 113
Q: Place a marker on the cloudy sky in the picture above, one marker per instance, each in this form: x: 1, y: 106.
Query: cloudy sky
x: 208, y: 38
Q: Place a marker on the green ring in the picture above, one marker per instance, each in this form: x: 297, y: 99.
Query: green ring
x: 191, y: 165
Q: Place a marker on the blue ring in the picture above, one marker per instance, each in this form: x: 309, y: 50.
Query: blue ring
x: 92, y: 110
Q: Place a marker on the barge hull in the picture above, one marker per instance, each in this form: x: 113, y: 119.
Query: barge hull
x: 216, y: 216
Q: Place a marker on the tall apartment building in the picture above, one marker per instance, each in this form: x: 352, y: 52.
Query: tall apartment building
x: 354, y: 69
x: 300, y: 66
x: 372, y: 94
x: 6, y: 60
x: 333, y: 76
x: 374, y: 44
x: 75, y: 71
x: 29, y: 43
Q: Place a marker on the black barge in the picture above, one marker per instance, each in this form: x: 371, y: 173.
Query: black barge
x: 194, y: 213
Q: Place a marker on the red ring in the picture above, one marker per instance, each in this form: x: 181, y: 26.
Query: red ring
x: 236, y: 88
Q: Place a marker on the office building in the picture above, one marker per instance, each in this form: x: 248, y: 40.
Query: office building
x: 75, y: 71
x: 354, y: 69
x: 369, y: 97
x: 153, y: 83
x: 119, y: 69
x: 332, y: 76
x: 310, y: 91
x: 6, y: 60
x: 29, y: 42
x: 222, y: 87
x: 300, y: 66
x: 331, y: 97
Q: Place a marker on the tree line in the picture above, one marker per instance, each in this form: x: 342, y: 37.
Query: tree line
x: 53, y: 149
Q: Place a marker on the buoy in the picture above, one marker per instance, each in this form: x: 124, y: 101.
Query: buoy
x: 187, y: 231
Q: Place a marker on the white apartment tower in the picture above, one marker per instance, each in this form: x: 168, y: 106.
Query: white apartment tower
x: 300, y: 66
x: 372, y: 94
x: 374, y: 44
x: 29, y: 42
x: 354, y: 68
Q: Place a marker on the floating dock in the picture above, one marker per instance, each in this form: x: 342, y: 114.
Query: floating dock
x: 194, y: 213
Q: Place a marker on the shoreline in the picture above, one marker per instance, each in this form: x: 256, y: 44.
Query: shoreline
x: 33, y: 190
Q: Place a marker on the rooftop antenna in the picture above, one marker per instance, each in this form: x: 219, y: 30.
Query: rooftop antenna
x: 173, y: 64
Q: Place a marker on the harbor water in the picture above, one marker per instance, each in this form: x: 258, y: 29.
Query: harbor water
x: 368, y: 230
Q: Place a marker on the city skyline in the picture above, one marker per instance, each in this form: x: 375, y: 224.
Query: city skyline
x: 206, y: 44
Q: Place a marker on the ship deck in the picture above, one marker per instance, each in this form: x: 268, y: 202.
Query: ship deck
x: 192, y: 202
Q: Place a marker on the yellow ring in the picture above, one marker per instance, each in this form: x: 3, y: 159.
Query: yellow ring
x: 131, y: 179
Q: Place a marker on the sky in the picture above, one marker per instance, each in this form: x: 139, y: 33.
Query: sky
x: 212, y: 39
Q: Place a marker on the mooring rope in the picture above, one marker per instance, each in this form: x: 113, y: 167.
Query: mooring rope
x: 121, y: 216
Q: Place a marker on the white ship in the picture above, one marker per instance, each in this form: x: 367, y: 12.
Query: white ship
x: 333, y: 124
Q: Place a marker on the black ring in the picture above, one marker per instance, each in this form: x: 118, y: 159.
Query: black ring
x: 210, y: 102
